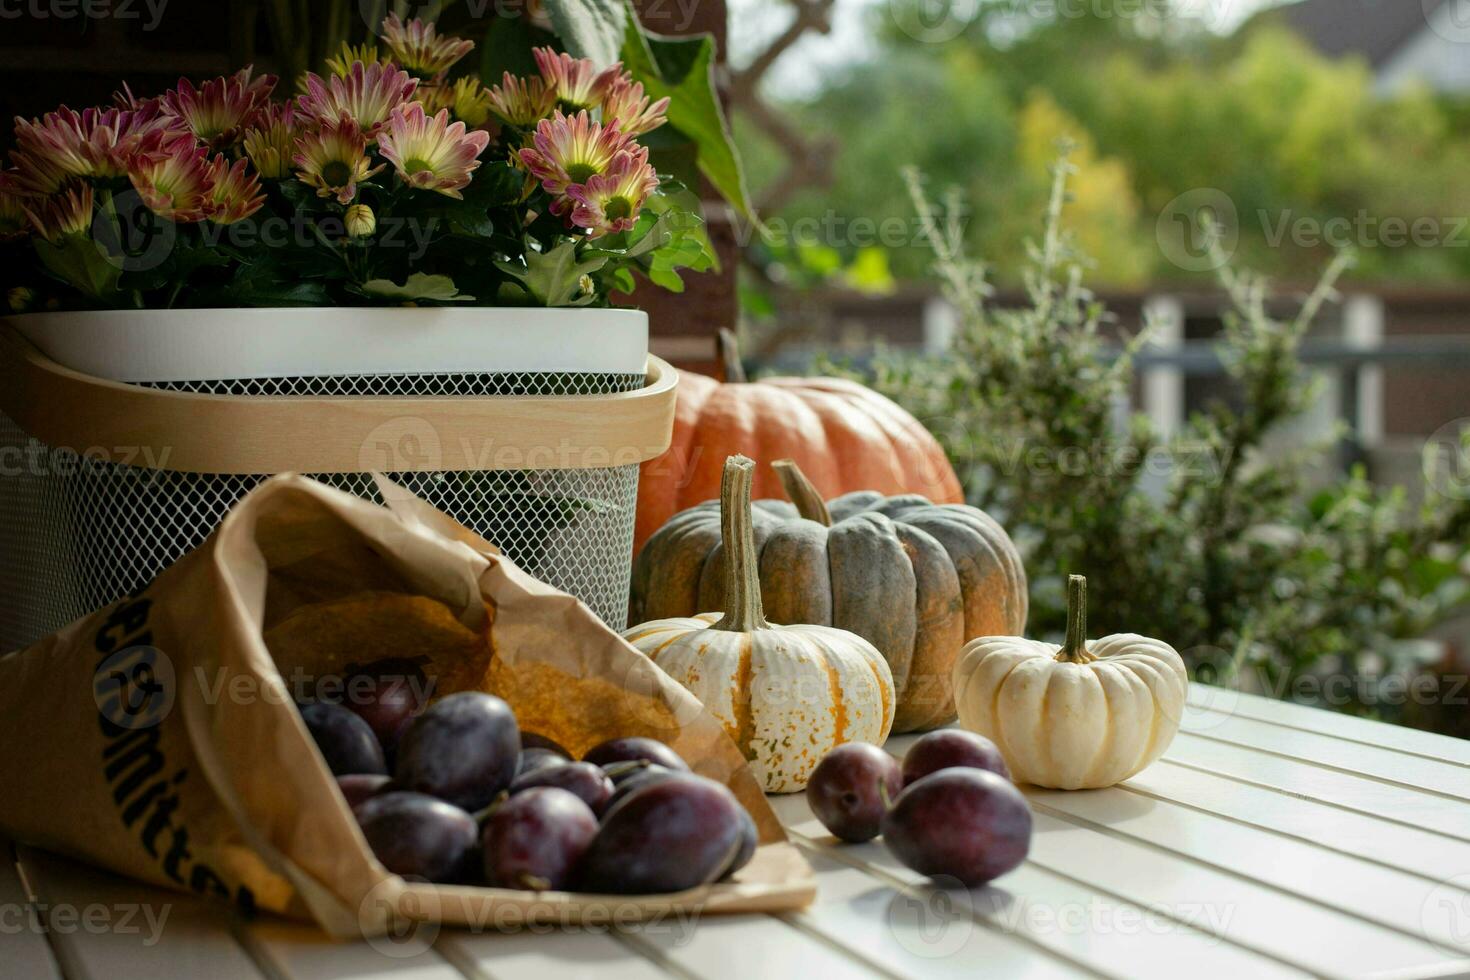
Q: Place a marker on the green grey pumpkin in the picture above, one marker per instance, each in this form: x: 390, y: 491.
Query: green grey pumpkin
x: 916, y: 579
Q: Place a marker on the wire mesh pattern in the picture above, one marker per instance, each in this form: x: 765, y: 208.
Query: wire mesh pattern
x: 461, y: 385
x: 79, y: 533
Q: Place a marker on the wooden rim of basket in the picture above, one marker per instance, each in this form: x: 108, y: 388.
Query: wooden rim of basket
x: 199, y: 433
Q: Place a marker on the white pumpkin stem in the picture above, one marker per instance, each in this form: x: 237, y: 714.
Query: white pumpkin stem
x: 743, y: 610
x: 1074, y: 650
x: 729, y: 349
x: 799, y: 490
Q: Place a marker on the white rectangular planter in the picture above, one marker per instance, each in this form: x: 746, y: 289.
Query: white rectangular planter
x: 422, y: 393
x: 197, y: 345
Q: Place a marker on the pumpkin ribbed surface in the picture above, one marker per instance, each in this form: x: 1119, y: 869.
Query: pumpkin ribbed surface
x: 845, y: 436
x: 1073, y: 725
x: 787, y: 696
x: 914, y: 578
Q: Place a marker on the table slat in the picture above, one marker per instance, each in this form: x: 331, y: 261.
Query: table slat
x: 1250, y: 914
x: 1416, y: 772
x: 1420, y: 852
x: 1308, y: 781
x: 1371, y: 892
x: 1089, y: 927
x: 186, y: 938
x: 746, y: 946
x: 1429, y: 744
x: 867, y: 916
x: 296, y: 951
x: 27, y: 953
x: 565, y: 954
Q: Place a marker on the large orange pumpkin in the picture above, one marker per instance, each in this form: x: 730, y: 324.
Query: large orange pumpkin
x: 843, y: 436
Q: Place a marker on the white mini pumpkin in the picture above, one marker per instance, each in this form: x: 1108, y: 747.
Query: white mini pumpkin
x: 1079, y: 716
x: 787, y: 695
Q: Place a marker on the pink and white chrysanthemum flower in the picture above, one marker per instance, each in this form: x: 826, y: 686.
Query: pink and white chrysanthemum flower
x: 522, y: 102
x: 333, y: 159
x: 236, y: 194
x: 65, y: 144
x: 431, y: 153
x: 219, y: 110
x: 418, y: 47
x: 367, y: 95
x: 124, y: 98
x: 66, y: 213
x: 270, y: 142
x: 176, y: 183
x: 575, y: 82
x: 626, y: 108
x: 569, y: 150
x: 609, y: 202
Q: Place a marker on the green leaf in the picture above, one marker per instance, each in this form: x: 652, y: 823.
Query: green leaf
x: 667, y: 238
x: 665, y: 276
x: 652, y: 231
x: 622, y: 279
x: 869, y: 272
x: 267, y: 284
x: 554, y: 278
x: 506, y: 47
x: 496, y: 183
x: 80, y: 262
x: 420, y: 286
x: 680, y: 207
x: 682, y: 68
x: 590, y: 28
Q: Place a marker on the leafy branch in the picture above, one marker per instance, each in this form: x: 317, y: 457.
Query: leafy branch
x: 1230, y: 558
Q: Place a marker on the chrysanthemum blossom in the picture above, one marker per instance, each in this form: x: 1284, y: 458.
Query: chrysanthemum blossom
x: 340, y: 64
x: 421, y: 49
x: 521, y: 102
x: 366, y: 94
x: 360, y: 221
x: 434, y: 97
x: 431, y: 154
x: 575, y: 82
x: 124, y: 98
x: 175, y: 184
x: 471, y: 102
x: 65, y: 144
x: 626, y: 108
x: 570, y: 150
x: 333, y: 159
x: 219, y: 110
x: 66, y: 213
x: 609, y: 202
x: 236, y: 191
x: 270, y: 142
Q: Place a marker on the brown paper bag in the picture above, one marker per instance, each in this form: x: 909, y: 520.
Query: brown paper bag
x: 157, y: 737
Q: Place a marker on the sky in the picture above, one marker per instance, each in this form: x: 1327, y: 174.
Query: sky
x: 754, y: 22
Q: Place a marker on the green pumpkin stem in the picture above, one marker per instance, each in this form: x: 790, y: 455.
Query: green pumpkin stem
x: 743, y: 610
x: 799, y: 490
x: 1074, y: 651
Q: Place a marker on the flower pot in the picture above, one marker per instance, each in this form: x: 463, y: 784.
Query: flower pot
x: 178, y: 346
x: 125, y: 436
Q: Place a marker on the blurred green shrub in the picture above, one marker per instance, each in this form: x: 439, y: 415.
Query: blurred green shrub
x: 1210, y: 540
x: 1288, y: 135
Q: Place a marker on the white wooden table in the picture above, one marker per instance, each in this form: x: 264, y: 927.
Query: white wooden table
x: 1272, y: 840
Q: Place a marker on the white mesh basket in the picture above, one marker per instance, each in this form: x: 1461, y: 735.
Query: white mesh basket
x: 84, y: 525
